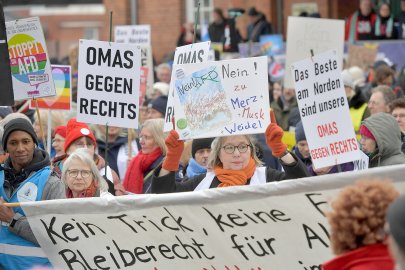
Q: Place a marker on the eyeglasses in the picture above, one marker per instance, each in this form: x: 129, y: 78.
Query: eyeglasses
x: 242, y: 148
x: 84, y: 173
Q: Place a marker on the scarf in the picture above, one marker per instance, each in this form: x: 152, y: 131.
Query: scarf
x: 388, y: 29
x: 87, y: 193
x: 194, y: 168
x: 235, y: 177
x: 134, y: 176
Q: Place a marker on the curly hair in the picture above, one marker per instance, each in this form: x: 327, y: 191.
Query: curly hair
x: 358, y: 214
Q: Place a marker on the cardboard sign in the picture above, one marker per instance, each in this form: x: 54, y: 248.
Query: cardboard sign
x: 361, y: 56
x: 274, y: 226
x: 222, y: 98
x: 324, y: 110
x: 271, y: 44
x: 306, y: 34
x: 134, y: 34
x: 29, y: 60
x: 188, y: 54
x: 62, y: 101
x: 108, y: 83
x: 362, y: 163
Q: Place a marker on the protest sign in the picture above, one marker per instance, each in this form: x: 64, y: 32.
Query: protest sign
x: 324, y: 110
x: 271, y: 44
x: 362, y: 163
x: 108, y: 83
x: 135, y: 34
x: 29, y: 61
x: 62, y: 101
x: 188, y: 54
x: 7, y: 95
x: 222, y: 98
x: 306, y: 34
x: 276, y: 226
x: 361, y: 56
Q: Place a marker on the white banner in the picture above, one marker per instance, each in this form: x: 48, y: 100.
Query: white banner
x: 276, y: 226
x: 137, y: 34
x: 222, y: 98
x: 29, y: 60
x: 324, y: 110
x: 318, y: 35
x: 189, y: 54
x: 108, y: 83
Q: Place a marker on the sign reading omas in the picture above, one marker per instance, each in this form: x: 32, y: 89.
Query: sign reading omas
x: 108, y: 83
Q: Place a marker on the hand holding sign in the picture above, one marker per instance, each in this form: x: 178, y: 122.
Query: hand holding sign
x: 274, y: 134
x: 175, y: 148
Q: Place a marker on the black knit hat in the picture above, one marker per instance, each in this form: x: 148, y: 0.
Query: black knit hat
x: 299, y: 132
x: 18, y: 124
x: 159, y: 104
x: 200, y: 144
x: 396, y: 221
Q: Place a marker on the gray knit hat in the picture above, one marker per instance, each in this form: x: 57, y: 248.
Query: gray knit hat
x: 18, y: 124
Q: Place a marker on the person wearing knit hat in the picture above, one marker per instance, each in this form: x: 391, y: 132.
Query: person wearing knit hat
x: 58, y: 140
x: 301, y: 148
x: 396, y: 233
x: 157, y: 108
x: 200, y: 150
x: 160, y: 89
x: 25, y: 176
x: 381, y: 140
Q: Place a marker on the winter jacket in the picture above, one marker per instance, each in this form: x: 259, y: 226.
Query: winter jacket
x: 371, y: 257
x: 259, y: 28
x: 284, y: 113
x: 168, y: 184
x: 386, y: 131
x: 216, y: 31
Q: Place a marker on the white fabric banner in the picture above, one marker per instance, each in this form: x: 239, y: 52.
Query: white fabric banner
x: 273, y: 226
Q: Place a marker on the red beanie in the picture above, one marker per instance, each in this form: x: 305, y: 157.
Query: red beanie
x: 60, y: 130
x: 366, y: 132
x: 76, y: 130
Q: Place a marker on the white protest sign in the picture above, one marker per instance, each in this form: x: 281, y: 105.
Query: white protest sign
x: 278, y: 226
x: 306, y: 34
x: 222, y: 98
x: 108, y: 83
x: 137, y: 34
x: 324, y: 110
x: 362, y: 163
x: 188, y: 54
x: 29, y: 61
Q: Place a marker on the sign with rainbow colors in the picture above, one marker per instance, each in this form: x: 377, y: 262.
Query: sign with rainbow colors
x: 62, y: 101
x: 29, y: 61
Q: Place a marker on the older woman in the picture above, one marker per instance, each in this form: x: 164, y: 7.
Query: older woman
x: 81, y: 176
x: 233, y: 161
x: 357, y: 226
x: 138, y: 176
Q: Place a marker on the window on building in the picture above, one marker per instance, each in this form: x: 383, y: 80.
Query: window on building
x: 206, y: 8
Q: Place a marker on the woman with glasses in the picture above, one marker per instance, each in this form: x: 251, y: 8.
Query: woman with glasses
x: 138, y: 175
x: 81, y: 176
x: 232, y: 162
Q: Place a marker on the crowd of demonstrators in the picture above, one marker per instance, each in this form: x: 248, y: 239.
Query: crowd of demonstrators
x: 357, y: 223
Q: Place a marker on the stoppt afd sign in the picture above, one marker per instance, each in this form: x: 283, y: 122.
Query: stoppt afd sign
x: 222, y: 98
x: 108, y: 83
x: 324, y: 110
x: 29, y: 61
x: 274, y: 226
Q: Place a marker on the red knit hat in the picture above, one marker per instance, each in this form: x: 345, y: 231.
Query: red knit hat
x: 60, y: 130
x: 366, y: 132
x: 76, y: 130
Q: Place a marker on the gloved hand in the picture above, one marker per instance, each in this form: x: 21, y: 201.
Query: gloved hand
x: 274, y: 134
x: 174, y: 150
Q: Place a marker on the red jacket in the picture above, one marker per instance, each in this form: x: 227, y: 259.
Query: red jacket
x: 371, y: 257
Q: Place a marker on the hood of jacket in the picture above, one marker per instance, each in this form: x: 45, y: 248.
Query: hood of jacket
x: 388, y: 136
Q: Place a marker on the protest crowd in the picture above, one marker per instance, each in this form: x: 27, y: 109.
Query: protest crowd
x: 84, y: 159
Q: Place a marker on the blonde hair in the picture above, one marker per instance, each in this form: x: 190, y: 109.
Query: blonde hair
x: 57, y: 119
x: 83, y: 156
x: 156, y: 128
x: 213, y: 159
x: 358, y: 215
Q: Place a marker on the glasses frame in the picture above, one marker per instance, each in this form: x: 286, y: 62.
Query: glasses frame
x: 236, y: 147
x: 69, y: 173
